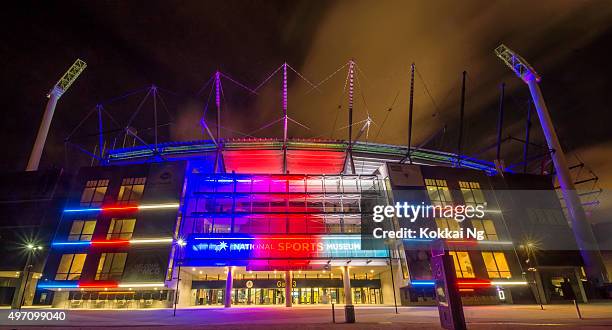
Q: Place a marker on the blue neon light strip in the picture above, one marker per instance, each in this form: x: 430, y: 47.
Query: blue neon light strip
x: 422, y: 283
x: 94, y: 209
x: 58, y: 285
x: 418, y: 240
x: 78, y: 243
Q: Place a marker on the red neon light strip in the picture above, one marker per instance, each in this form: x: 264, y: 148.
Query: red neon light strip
x: 111, y: 242
x: 473, y: 283
x: 98, y: 284
x: 120, y: 208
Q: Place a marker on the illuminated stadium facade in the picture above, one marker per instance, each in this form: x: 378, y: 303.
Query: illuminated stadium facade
x: 279, y: 221
x: 270, y: 216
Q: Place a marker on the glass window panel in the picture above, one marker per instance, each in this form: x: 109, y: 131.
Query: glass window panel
x: 118, y: 262
x: 502, y: 264
x: 75, y: 230
x: 65, y: 262
x: 87, y: 195
x: 77, y: 263
x: 463, y: 264
x: 89, y: 227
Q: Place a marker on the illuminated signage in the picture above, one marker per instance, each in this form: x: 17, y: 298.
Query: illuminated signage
x: 238, y: 249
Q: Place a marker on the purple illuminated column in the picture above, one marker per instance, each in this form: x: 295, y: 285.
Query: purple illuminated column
x: 583, y: 232
x: 229, y: 286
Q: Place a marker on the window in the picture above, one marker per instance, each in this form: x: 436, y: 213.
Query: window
x: 111, y: 266
x: 121, y: 229
x: 82, y: 230
x: 463, y: 264
x: 438, y: 192
x: 488, y: 227
x: 450, y: 224
x: 131, y: 190
x: 70, y: 267
x: 94, y: 192
x: 497, y: 267
x: 472, y: 194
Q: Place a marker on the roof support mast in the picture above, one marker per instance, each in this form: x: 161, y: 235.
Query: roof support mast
x: 218, y: 105
x: 410, y: 111
x: 285, y: 117
x: 351, y: 81
x: 54, y: 94
x: 583, y: 232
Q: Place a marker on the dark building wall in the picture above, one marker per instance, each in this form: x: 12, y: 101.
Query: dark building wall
x: 532, y: 212
x: 164, y: 184
x: 603, y: 233
x: 524, y: 208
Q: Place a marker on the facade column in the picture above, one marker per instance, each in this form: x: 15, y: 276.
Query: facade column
x: 288, y: 288
x: 229, y: 286
x: 185, y: 296
x: 346, y: 281
x: 349, y: 309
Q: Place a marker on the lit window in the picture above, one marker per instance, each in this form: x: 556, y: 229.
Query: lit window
x: 487, y: 227
x: 111, y: 266
x: 450, y: 224
x: 472, y: 194
x: 70, y: 267
x: 463, y: 264
x: 131, y: 190
x: 438, y: 192
x: 93, y: 193
x: 121, y: 229
x: 82, y: 230
x: 497, y: 267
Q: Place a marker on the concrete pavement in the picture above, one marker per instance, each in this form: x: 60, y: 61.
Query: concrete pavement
x: 596, y: 316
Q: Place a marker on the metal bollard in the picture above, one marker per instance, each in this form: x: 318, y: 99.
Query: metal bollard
x: 577, y: 309
x: 333, y: 314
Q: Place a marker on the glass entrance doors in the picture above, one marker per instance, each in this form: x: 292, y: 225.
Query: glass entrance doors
x: 258, y: 296
x: 366, y: 296
x: 308, y: 296
x: 209, y: 297
x: 301, y: 296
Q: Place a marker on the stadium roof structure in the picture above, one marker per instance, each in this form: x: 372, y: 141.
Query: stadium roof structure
x: 304, y: 156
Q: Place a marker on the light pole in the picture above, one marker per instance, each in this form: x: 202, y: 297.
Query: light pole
x: 530, y: 250
x: 31, y: 249
x: 180, y: 243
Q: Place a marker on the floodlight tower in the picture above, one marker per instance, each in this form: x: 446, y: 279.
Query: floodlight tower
x: 54, y: 94
x: 583, y: 232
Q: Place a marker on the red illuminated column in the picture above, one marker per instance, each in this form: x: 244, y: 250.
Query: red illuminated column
x: 288, y: 288
x: 229, y: 286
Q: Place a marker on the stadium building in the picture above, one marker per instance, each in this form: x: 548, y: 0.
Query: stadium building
x: 278, y: 222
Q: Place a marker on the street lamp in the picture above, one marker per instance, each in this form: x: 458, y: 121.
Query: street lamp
x: 530, y: 248
x: 30, y: 250
x: 180, y: 242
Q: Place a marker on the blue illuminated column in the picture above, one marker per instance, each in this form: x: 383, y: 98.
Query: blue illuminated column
x: 229, y: 286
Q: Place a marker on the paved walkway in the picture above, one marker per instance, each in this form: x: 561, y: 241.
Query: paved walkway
x: 596, y: 316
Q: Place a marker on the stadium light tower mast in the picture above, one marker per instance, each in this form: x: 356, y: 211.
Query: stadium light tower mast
x: 582, y: 229
x: 54, y: 94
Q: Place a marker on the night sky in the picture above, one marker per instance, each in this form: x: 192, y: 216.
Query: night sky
x: 129, y: 45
